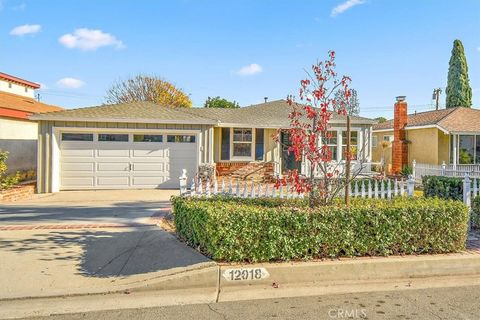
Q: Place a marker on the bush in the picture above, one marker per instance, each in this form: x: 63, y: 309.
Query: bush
x: 6, y: 181
x: 406, y: 171
x: 476, y: 212
x: 443, y: 187
x: 230, y: 229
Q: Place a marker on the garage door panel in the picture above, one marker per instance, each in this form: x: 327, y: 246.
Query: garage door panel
x: 113, y: 166
x: 77, y: 153
x: 155, y: 182
x: 113, y: 153
x: 158, y: 167
x: 158, y: 153
x: 113, y: 181
x: 77, y: 167
x: 74, y: 182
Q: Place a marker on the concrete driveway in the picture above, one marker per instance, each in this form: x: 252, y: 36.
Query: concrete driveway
x: 87, y: 242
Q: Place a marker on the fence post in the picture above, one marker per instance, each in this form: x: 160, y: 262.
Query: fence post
x: 414, y: 172
x: 467, y: 200
x: 444, y: 169
x: 410, y: 186
x: 183, y: 182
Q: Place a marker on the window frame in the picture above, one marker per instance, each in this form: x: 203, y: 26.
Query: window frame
x: 181, y: 135
x: 252, y: 145
x: 342, y: 145
x: 114, y: 134
x: 78, y: 133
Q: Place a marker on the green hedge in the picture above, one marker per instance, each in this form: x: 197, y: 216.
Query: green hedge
x: 476, y: 212
x: 443, y: 187
x: 229, y: 229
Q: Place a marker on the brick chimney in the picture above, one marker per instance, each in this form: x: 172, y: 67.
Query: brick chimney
x: 399, y: 147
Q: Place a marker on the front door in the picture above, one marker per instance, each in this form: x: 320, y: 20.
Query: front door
x: 288, y: 158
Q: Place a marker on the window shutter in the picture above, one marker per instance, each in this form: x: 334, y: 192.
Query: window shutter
x: 225, y: 147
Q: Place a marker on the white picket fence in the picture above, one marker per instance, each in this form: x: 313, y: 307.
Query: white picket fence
x: 383, y: 189
x: 444, y: 170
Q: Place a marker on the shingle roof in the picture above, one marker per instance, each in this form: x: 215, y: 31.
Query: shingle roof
x: 131, y: 112
x: 452, y: 120
x: 272, y: 114
x: 17, y: 102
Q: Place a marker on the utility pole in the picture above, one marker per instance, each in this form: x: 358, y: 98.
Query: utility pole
x: 436, y: 96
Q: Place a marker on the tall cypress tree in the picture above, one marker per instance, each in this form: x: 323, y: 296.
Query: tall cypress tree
x: 459, y: 92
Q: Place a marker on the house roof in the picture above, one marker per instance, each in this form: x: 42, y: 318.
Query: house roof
x: 16, y: 106
x: 272, y: 114
x: 146, y: 112
x: 452, y: 120
x: 23, y: 82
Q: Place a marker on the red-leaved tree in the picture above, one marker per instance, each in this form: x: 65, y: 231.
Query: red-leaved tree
x: 309, y: 134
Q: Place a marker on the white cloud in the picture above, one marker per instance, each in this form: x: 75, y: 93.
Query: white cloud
x: 250, y: 69
x: 20, y: 7
x: 26, y: 29
x: 70, y: 83
x: 341, y: 8
x: 89, y: 39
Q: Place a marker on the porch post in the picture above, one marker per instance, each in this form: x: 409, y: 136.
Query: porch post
x: 454, y: 150
x: 210, y: 145
x: 339, y: 145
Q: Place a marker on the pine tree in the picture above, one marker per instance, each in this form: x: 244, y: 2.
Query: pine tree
x: 459, y: 92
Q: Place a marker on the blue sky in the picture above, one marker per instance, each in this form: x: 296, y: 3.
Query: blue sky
x: 240, y: 50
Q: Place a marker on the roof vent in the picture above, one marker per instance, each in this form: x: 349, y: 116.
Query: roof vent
x: 400, y: 98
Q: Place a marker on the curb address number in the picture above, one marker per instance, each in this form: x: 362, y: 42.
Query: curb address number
x: 245, y: 274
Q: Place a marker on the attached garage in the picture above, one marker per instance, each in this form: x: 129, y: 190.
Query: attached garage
x: 125, y: 146
x: 125, y: 160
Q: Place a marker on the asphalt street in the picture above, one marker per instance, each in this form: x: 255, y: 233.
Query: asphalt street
x: 439, y: 303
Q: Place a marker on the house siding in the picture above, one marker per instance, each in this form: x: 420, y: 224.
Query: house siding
x: 45, y: 129
x: 423, y: 146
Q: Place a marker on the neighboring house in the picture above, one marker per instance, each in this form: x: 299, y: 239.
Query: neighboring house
x: 144, y: 145
x: 433, y: 137
x: 18, y: 134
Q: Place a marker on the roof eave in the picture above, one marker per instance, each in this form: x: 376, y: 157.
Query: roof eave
x: 40, y: 117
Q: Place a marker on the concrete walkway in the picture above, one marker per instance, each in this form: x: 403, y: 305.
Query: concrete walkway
x: 89, y: 242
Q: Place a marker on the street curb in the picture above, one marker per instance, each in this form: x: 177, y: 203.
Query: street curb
x: 362, y: 270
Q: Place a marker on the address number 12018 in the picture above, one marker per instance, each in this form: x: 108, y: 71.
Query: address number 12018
x: 245, y: 274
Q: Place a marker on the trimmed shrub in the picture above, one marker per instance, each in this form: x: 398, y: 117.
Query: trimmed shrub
x: 476, y: 212
x: 232, y: 229
x: 443, y: 187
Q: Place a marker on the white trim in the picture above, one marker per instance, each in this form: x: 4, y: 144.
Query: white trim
x: 55, y: 160
x: 210, y: 145
x: 56, y: 140
x: 435, y: 126
x: 41, y: 117
x: 252, y: 146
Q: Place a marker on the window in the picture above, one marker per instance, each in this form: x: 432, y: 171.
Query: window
x: 26, y: 89
x: 180, y: 138
x: 9, y: 85
x: 225, y: 152
x: 466, y: 149
x: 77, y: 137
x: 353, y: 144
x: 147, y: 138
x: 388, y: 138
x: 242, y: 142
x: 374, y: 141
x: 259, y: 136
x: 331, y: 140
x: 113, y: 137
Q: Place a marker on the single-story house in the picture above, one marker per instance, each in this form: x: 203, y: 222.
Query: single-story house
x: 18, y: 134
x: 447, y: 135
x: 145, y: 145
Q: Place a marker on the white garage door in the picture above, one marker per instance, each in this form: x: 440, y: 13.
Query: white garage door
x: 125, y: 160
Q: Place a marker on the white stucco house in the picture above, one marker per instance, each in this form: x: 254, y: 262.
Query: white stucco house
x: 18, y: 134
